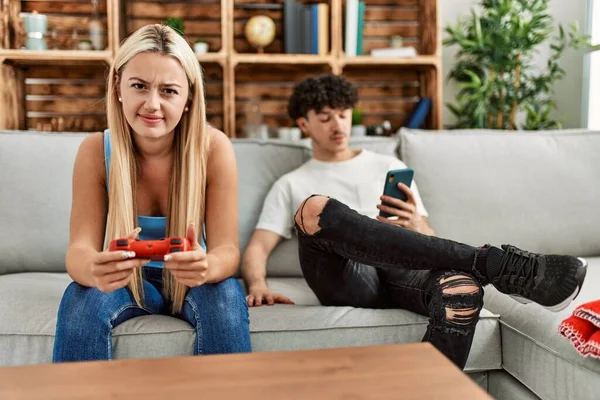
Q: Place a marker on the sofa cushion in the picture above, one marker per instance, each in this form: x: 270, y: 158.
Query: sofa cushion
x: 534, y: 352
x: 290, y: 327
x: 29, y: 304
x: 503, y: 386
x: 35, y: 199
x: 536, y: 190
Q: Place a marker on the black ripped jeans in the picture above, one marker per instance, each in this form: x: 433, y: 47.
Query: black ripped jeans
x: 354, y: 260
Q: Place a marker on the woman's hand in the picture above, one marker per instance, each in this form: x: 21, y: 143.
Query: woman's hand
x: 189, y: 268
x: 112, y: 270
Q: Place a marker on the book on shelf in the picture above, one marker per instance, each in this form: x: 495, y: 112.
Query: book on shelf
x: 351, y: 28
x: 419, y: 114
x: 323, y: 30
x: 305, y: 28
x: 398, y: 52
x: 360, y: 28
x: 354, y: 26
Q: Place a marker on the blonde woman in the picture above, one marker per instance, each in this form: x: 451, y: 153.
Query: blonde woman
x: 159, y: 171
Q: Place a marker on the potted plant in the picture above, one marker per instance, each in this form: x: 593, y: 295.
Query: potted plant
x: 358, y: 129
x: 176, y: 24
x: 200, y: 46
x: 495, y: 68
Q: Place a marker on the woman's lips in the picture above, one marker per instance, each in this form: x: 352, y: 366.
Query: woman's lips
x: 151, y: 119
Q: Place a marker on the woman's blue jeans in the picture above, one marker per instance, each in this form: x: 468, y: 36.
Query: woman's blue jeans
x: 86, y: 317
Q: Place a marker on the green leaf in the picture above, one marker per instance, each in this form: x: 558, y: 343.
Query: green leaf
x: 478, y: 33
x: 562, y: 32
x: 475, y: 80
x: 176, y: 24
x: 454, y: 110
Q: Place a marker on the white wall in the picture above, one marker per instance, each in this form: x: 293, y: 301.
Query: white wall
x: 568, y: 91
x: 591, y: 102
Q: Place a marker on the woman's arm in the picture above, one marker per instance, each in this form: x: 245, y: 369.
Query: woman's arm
x: 86, y: 263
x: 223, y: 249
x: 88, y: 209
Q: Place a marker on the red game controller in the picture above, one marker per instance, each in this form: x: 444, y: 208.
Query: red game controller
x: 154, y: 250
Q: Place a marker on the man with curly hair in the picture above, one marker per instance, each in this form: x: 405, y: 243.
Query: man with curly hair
x: 351, y: 256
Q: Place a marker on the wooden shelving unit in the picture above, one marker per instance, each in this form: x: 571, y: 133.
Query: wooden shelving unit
x: 26, y: 57
x: 234, y: 72
x: 238, y: 58
x: 368, y: 60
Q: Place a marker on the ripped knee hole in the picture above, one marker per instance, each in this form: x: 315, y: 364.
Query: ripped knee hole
x: 308, y: 216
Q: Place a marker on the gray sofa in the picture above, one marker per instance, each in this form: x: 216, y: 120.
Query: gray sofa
x: 537, y: 190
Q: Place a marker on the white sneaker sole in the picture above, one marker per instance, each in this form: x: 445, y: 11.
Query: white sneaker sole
x: 562, y: 305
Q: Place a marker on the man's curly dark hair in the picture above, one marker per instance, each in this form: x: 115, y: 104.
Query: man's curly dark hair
x: 321, y: 91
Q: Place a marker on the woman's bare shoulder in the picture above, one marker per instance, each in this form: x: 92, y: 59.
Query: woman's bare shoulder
x: 90, y: 156
x: 221, y: 156
x: 216, y: 135
x: 219, y: 141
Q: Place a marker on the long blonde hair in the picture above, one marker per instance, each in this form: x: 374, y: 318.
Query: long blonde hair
x: 190, y: 148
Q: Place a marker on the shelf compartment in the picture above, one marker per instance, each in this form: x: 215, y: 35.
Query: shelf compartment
x: 368, y: 60
x: 65, y: 17
x: 65, y: 98
x: 280, y: 59
x: 201, y: 19
x: 416, y: 21
x: 273, y: 86
x: 32, y: 57
x: 389, y: 92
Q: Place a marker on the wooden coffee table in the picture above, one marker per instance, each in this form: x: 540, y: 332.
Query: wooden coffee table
x: 411, y: 371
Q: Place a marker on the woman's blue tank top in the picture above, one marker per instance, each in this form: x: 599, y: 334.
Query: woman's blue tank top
x: 153, y: 228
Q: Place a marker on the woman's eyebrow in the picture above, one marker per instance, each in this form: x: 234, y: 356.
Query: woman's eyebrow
x: 164, y: 84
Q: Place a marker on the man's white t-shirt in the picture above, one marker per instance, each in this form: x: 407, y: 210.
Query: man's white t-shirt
x: 357, y: 182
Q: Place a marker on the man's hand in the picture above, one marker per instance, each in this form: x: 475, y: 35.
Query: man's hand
x: 404, y: 213
x: 261, y: 293
x: 189, y: 268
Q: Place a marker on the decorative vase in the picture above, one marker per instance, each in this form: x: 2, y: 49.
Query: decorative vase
x: 96, y: 29
x: 36, y: 26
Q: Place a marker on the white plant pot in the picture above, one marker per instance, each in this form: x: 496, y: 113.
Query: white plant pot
x: 358, y: 130
x: 201, y: 48
x: 295, y: 133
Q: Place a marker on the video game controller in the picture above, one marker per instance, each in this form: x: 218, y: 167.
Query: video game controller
x: 154, y: 250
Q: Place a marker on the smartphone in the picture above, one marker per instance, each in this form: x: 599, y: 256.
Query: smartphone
x: 390, y: 188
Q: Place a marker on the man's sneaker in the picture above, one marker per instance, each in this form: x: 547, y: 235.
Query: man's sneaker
x: 552, y: 281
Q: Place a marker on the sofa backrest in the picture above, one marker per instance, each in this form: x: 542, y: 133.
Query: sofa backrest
x: 536, y: 190
x: 260, y: 163
x: 35, y: 199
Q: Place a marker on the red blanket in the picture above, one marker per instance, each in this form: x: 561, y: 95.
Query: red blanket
x: 583, y: 329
